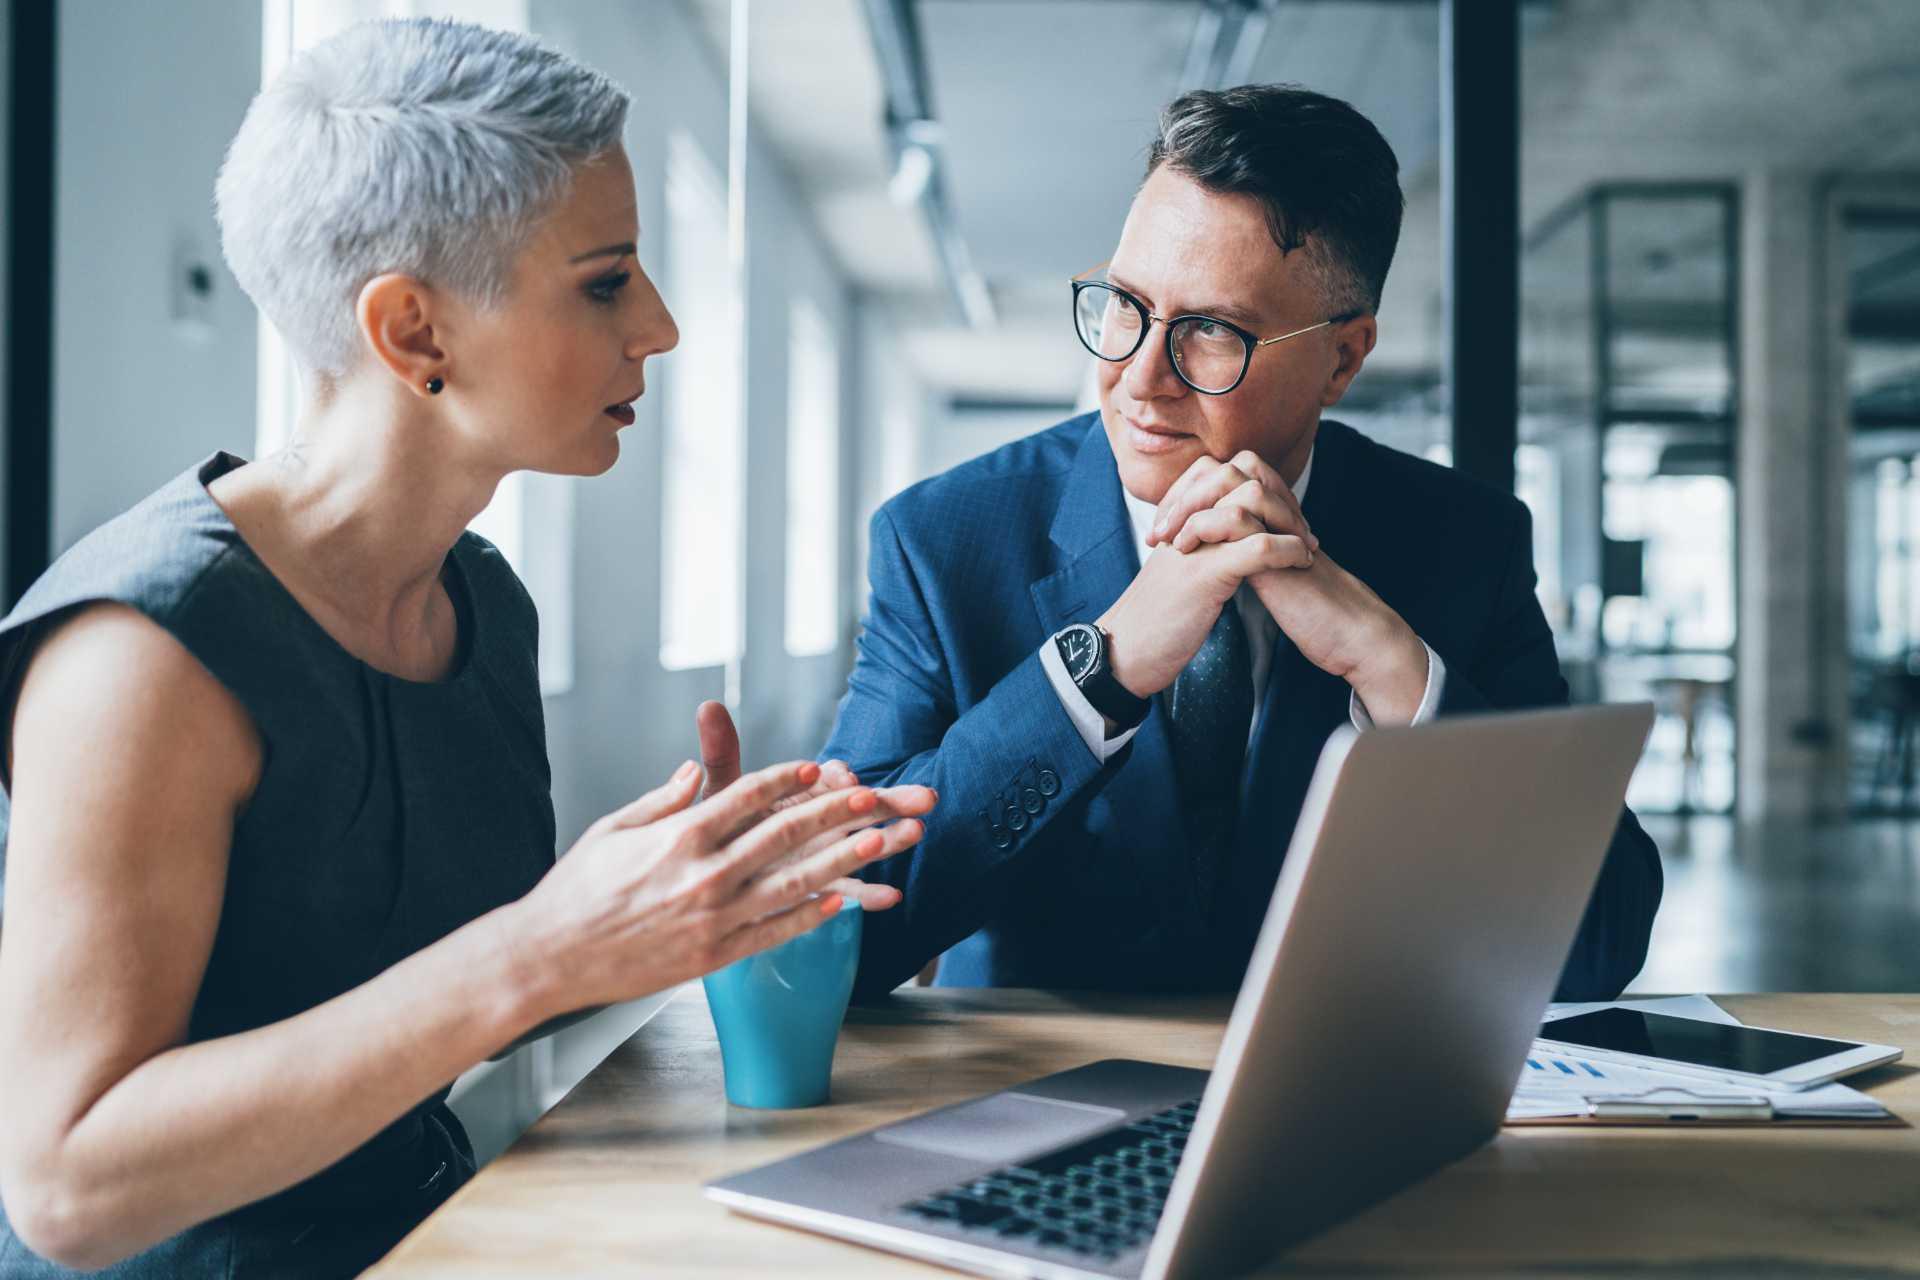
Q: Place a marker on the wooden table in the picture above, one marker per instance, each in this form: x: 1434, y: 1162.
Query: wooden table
x: 608, y: 1183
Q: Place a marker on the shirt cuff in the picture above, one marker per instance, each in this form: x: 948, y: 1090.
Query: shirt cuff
x: 1429, y: 701
x: 1091, y: 724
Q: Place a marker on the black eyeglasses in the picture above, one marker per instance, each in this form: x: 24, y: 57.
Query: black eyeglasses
x: 1209, y: 354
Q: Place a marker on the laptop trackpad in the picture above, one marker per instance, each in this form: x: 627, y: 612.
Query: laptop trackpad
x: 1004, y: 1128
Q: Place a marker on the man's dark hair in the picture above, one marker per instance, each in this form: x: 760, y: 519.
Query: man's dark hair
x: 1325, y: 177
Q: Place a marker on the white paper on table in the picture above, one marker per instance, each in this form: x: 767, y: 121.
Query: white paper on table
x: 1700, y: 1008
x: 1553, y: 1083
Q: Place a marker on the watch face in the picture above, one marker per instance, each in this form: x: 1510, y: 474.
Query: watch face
x: 1078, y: 649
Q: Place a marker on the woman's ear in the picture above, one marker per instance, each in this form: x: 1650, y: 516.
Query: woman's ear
x: 396, y: 318
x: 1352, y: 343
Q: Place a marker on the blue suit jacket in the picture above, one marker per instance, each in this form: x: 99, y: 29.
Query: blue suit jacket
x: 1043, y: 867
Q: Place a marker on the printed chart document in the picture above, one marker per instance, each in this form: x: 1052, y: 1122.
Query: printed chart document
x: 1556, y: 1084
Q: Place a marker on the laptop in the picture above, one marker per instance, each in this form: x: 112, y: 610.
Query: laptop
x: 1427, y: 903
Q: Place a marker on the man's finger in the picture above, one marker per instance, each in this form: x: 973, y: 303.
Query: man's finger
x: 1202, y: 494
x: 1256, y: 466
x: 871, y: 897
x: 1163, y: 528
x: 1271, y: 481
x: 1274, y: 502
x: 1274, y: 512
x: 1217, y: 524
x: 1265, y: 551
x: 719, y: 746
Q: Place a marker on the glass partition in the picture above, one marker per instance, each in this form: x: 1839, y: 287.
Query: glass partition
x: 1627, y: 428
x: 1883, y: 508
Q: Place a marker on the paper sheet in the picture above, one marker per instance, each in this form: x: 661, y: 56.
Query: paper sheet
x: 1558, y: 1084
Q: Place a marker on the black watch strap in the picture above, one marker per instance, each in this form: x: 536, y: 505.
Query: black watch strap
x: 1094, y: 677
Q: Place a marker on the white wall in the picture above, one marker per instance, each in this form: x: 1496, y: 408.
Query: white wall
x: 787, y: 703
x: 891, y: 410
x: 149, y: 95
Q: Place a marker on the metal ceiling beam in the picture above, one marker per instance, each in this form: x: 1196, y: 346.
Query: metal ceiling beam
x: 1227, y: 35
x: 919, y: 169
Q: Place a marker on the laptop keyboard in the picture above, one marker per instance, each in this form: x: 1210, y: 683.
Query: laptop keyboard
x: 1099, y: 1198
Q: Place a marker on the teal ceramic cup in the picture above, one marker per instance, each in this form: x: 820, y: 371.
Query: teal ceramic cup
x: 778, y: 1014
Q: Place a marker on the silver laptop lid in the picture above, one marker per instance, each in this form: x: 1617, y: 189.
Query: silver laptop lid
x: 1432, y: 888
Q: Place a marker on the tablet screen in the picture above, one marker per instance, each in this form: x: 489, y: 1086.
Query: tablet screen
x: 1705, y: 1044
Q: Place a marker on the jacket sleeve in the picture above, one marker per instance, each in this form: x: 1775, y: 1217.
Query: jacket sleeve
x: 1514, y: 666
x: 1004, y: 767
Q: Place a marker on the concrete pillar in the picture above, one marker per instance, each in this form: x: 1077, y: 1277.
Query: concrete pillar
x: 1791, y: 648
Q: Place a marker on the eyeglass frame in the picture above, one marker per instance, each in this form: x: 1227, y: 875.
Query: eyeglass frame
x: 1250, y: 342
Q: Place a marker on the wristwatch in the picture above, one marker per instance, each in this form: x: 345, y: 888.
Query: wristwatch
x: 1083, y: 649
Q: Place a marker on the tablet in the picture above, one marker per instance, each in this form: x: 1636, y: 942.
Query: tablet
x: 1721, y: 1051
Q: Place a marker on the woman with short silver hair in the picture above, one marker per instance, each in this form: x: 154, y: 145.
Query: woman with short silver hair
x: 279, y: 841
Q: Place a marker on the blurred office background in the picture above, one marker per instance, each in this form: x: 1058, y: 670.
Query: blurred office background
x: 1664, y: 255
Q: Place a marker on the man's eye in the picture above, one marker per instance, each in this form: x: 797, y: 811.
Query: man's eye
x: 606, y: 288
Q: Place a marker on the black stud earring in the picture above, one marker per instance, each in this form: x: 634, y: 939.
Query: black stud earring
x: 435, y: 385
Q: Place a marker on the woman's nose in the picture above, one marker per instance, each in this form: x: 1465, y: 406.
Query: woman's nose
x: 660, y: 336
x: 656, y: 333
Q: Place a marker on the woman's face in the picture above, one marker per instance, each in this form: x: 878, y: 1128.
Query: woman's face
x: 553, y: 371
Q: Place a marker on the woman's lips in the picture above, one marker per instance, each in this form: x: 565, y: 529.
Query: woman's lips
x: 1145, y: 441
x: 620, y: 413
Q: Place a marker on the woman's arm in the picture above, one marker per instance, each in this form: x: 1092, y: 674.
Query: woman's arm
x: 130, y: 764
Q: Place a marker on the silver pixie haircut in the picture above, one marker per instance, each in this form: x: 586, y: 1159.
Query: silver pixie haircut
x: 425, y: 147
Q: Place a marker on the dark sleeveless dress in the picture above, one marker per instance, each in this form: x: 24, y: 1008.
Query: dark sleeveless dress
x: 388, y: 814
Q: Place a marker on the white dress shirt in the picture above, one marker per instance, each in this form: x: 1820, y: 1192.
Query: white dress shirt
x: 1262, y: 632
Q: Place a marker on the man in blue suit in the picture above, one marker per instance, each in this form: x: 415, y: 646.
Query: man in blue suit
x: 1115, y: 648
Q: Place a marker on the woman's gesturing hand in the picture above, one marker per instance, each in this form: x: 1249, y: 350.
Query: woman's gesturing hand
x: 665, y: 889
x: 720, y: 753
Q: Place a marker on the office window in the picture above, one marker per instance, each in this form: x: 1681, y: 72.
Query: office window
x: 531, y: 517
x: 813, y: 484
x: 703, y: 508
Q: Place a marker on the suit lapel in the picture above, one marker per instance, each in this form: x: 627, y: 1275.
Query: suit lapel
x: 1090, y: 528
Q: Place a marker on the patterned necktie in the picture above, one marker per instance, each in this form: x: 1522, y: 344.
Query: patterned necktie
x: 1210, y: 711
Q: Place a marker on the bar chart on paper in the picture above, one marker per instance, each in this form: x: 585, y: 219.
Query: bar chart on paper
x: 1553, y: 1084
x: 1577, y: 1068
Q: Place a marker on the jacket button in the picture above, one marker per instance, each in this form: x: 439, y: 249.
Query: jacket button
x: 1030, y: 800
x: 1049, y: 783
x: 1016, y: 818
x: 1002, y: 840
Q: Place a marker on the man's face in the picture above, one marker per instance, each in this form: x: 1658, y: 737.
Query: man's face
x: 1185, y: 250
